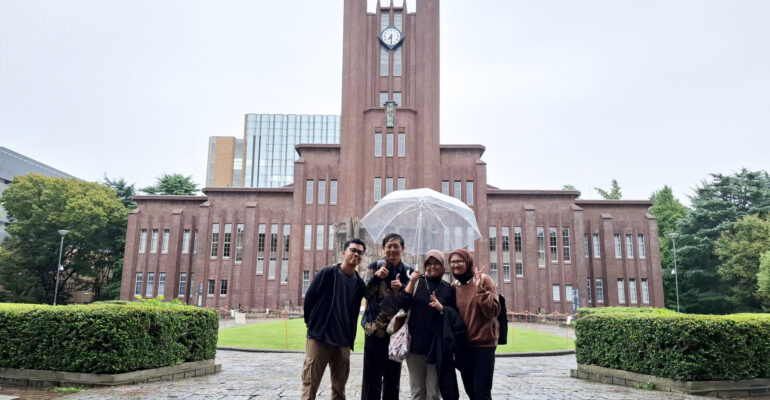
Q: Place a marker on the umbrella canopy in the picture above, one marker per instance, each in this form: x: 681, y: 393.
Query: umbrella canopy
x: 425, y: 218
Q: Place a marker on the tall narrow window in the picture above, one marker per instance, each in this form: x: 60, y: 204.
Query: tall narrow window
x: 588, y: 289
x: 309, y: 191
x: 586, y: 243
x: 645, y: 292
x: 223, y: 287
x: 319, y: 237
x: 261, y: 249
x: 305, y: 282
x: 402, y: 145
x: 632, y: 290
x: 150, y: 284
x: 333, y: 191
x: 383, y: 98
x: 195, y: 241
x: 378, y: 144
x: 397, y: 98
x: 389, y: 144
x: 212, y: 287
x: 552, y: 241
x: 618, y: 247
x: 565, y: 244
x: 182, y: 284
x: 214, y: 240
x: 599, y: 290
x: 308, y: 239
x: 239, y: 243
x: 401, y: 183
x: 493, y: 271
x: 162, y: 284
x: 507, y: 272
x: 143, y: 241
x: 330, y: 238
x: 469, y: 193
x: 518, y: 254
x: 597, y: 246
x: 445, y: 187
x: 226, y: 242
x: 457, y: 193
x: 505, y: 240
x: 138, y: 290
x: 377, y: 188
x: 193, y: 290
x: 492, y: 239
x: 273, y: 251
x: 286, y: 242
x: 185, y: 241
x: 321, y: 191
x: 397, y: 62
x: 640, y: 245
x: 164, y: 246
x: 568, y: 295
x: 388, y: 185
x: 154, y: 241
x: 384, y: 61
x: 540, y: 246
x: 556, y: 293
x: 630, y: 246
x: 621, y: 291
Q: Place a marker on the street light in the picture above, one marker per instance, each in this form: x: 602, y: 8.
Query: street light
x: 673, y: 236
x: 60, y: 268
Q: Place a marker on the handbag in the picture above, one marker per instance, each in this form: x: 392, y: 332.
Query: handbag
x: 398, y: 347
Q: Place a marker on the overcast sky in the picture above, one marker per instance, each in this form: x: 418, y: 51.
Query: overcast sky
x: 560, y: 92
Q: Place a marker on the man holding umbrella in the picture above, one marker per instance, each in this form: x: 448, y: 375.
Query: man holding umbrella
x: 384, y: 280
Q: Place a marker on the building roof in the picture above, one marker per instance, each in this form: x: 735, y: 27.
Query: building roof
x: 13, y: 163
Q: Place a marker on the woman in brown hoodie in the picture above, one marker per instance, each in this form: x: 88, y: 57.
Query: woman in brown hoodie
x: 478, y: 306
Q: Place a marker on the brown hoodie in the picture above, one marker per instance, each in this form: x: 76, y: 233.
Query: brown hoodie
x: 478, y: 306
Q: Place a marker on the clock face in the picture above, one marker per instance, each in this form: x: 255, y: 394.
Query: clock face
x: 391, y: 37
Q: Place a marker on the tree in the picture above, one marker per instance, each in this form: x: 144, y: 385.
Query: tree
x: 739, y: 250
x: 39, y: 206
x: 716, y: 205
x: 763, y: 280
x: 668, y: 210
x: 123, y: 190
x: 569, y: 187
x: 612, y: 194
x: 174, y: 184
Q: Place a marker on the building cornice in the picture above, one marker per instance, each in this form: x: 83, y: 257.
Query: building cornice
x: 283, y: 189
x: 501, y: 192
x: 645, y: 203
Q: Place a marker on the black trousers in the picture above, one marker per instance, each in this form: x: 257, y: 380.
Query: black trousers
x: 382, y: 376
x: 477, y: 366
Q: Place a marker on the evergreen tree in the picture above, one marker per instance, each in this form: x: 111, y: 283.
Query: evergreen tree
x: 174, y: 184
x: 613, y: 193
x: 739, y: 251
x: 669, y: 210
x: 763, y: 280
x: 123, y: 191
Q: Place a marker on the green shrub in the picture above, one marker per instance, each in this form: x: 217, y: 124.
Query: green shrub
x: 684, y: 347
x: 105, y: 338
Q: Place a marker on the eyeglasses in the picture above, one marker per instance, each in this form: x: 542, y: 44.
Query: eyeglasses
x: 356, y: 251
x: 457, y: 262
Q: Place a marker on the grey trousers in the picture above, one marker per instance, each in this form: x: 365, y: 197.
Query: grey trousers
x: 423, y: 378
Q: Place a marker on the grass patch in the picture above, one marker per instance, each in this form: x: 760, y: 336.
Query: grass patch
x: 68, y: 389
x: 274, y: 335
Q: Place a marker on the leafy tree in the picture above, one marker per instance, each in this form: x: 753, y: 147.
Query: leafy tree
x: 739, y: 250
x: 669, y: 210
x: 763, y: 280
x: 716, y: 205
x: 123, y: 191
x: 568, y: 187
x: 39, y: 206
x: 174, y: 184
x: 613, y: 193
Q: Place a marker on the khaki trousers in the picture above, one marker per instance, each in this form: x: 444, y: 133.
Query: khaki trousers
x: 423, y: 379
x: 317, y: 356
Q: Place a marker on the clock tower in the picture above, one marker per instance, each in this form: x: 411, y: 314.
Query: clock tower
x: 390, y: 101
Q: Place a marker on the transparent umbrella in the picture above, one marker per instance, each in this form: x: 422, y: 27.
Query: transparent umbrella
x: 425, y: 218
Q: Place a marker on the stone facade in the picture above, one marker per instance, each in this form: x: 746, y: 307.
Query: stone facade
x: 537, y: 244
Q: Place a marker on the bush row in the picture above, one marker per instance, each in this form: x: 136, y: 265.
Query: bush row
x: 104, y: 338
x: 683, y: 347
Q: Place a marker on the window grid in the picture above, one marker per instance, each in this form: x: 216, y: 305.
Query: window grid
x: 321, y: 191
x: 517, y: 249
x: 185, y: 241
x: 214, y: 240
x: 445, y: 187
x: 599, y: 290
x: 618, y: 247
x: 164, y: 246
x: 223, y: 287
x: 507, y: 272
x: 401, y: 183
x: 319, y: 239
x: 597, y: 246
x: 630, y: 246
x: 261, y: 249
x: 492, y: 239
x: 138, y: 290
x: 493, y: 271
x: 150, y: 284
x: 273, y: 251
x: 305, y: 282
x: 161, y: 284
x: 457, y: 192
x: 540, y: 246
x: 388, y: 185
x: 143, y: 241
x: 565, y: 244
x: 195, y: 241
x: 556, y: 293
x: 211, y: 287
x: 632, y: 290
x: 308, y: 239
x: 640, y: 245
x: 469, y: 193
x: 182, y: 284
x: 568, y: 293
x: 333, y: 191
x: 553, y: 244
x: 645, y: 292
x: 588, y: 289
x: 378, y: 144
x: 154, y: 241
x: 621, y: 291
x: 239, y: 243
x: 587, y: 246
x: 402, y: 145
x: 389, y: 144
x: 309, y: 191
x: 377, y: 188
x: 226, y: 241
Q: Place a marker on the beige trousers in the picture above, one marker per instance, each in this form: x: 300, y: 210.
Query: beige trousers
x: 317, y: 356
x: 423, y: 378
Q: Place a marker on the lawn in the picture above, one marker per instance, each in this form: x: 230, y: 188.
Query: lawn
x: 290, y: 335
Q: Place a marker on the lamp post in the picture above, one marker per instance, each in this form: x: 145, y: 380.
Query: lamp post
x: 673, y: 236
x: 60, y: 267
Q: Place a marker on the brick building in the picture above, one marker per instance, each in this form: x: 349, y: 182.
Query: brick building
x: 260, y: 247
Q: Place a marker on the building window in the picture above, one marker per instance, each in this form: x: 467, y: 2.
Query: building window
x: 397, y: 95
x: 185, y: 241
x: 568, y: 293
x: 214, y: 240
x: 308, y: 242
x: 211, y: 288
x: 599, y: 290
x: 164, y: 245
x: 319, y: 237
x: 597, y: 248
x: 273, y: 251
x: 286, y: 234
x: 388, y: 185
x: 223, y: 287
x: 588, y: 289
x: 640, y: 244
x: 402, y: 145
x: 493, y: 271
x: 540, y: 246
x: 377, y: 188
x: 469, y: 192
x: 309, y: 191
x: 261, y: 249
x: 154, y: 241
x: 138, y: 290
x: 645, y: 292
x: 150, y: 284
x: 378, y: 144
x: 585, y: 239
x: 161, y: 284
x: 195, y: 241
x: 143, y: 241
x: 389, y: 144
x: 556, y: 293
x: 397, y: 62
x: 565, y: 244
x: 457, y: 193
x: 333, y: 191
x: 383, y: 98
x: 445, y: 187
x: 192, y: 285
x: 518, y: 254
x: 632, y: 290
x: 630, y: 246
x: 226, y: 244
x: 507, y: 272
x: 321, y: 191
x: 492, y: 239
x: 401, y: 183
x: 182, y: 284
x: 330, y: 238
x: 305, y: 282
x: 553, y: 244
x: 239, y: 243
x: 384, y: 62
x: 505, y: 240
x: 618, y: 247
x: 621, y: 291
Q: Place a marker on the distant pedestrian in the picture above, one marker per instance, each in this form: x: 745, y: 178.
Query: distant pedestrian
x: 332, y: 304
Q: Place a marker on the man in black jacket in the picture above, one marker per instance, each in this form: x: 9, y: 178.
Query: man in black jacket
x: 332, y: 303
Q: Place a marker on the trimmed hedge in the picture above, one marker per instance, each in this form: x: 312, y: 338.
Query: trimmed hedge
x: 684, y: 347
x: 105, y: 338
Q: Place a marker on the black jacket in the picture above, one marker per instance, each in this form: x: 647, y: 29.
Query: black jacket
x: 319, y: 300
